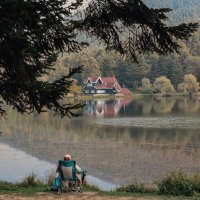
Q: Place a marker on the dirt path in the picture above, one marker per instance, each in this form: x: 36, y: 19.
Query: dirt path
x: 84, y: 196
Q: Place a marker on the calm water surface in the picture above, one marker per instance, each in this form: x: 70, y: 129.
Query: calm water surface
x: 117, y: 141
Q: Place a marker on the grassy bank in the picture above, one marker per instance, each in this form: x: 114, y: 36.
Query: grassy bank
x: 25, y: 190
x: 175, y: 186
x: 135, y: 94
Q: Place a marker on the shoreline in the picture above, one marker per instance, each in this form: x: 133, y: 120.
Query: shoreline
x: 175, y: 186
x: 134, y: 95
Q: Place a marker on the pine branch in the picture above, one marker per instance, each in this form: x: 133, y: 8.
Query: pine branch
x: 109, y: 21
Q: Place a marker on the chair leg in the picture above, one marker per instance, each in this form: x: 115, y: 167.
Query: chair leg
x: 59, y: 191
x: 79, y: 188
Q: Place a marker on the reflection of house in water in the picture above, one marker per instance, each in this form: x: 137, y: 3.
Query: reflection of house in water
x: 148, y: 153
x: 102, y: 108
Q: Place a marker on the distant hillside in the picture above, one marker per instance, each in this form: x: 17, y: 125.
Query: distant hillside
x: 183, y: 10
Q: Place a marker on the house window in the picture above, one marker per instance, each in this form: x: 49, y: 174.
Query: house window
x: 86, y: 91
x: 89, y: 84
x: 101, y: 91
x: 92, y: 91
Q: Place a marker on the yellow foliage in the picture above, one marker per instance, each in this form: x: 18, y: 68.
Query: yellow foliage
x: 163, y: 85
x: 74, y: 89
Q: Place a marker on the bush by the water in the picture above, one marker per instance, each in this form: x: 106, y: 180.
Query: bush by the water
x: 134, y: 188
x: 177, y: 183
x: 28, y: 187
x: 31, y: 180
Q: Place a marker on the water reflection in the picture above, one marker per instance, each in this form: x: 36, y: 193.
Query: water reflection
x: 21, y: 165
x: 147, y: 152
x: 105, y: 108
x: 142, y: 106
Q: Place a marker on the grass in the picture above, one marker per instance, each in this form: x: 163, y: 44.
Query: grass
x: 177, y: 183
x: 19, y: 188
x: 29, y: 186
x: 176, y: 186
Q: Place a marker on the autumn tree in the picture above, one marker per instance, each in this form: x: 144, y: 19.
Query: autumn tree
x: 163, y: 85
x: 34, y: 33
x: 190, y: 85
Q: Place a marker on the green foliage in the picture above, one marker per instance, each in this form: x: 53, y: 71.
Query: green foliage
x: 133, y: 188
x: 18, y: 188
x: 163, y: 85
x: 147, y: 86
x: 31, y: 38
x: 31, y: 180
x: 116, y: 23
x: 130, y: 74
x: 34, y: 33
x: 74, y: 89
x: 177, y: 183
x: 88, y: 187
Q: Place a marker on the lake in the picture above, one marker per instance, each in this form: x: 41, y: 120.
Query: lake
x: 118, y: 141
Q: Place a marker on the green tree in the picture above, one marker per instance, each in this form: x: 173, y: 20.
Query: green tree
x: 193, y: 66
x: 121, y: 74
x: 107, y: 61
x: 159, y: 68
x: 34, y: 33
x: 136, y: 71
x: 147, y: 86
x: 175, y: 71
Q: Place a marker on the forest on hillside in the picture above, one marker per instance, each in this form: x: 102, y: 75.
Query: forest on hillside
x: 182, y: 10
x: 97, y: 61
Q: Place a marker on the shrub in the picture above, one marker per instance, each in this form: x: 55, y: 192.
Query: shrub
x: 163, y: 85
x: 190, y: 85
x: 50, y: 177
x: 181, y: 88
x: 74, y: 89
x: 133, y: 188
x: 177, y: 183
x: 31, y: 180
x: 147, y: 86
x: 88, y: 187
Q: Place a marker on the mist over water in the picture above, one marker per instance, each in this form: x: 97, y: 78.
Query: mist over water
x: 148, y: 136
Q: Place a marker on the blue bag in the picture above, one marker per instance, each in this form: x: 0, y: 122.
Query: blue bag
x: 56, y: 184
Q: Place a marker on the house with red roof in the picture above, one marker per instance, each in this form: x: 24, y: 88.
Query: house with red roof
x: 104, y: 85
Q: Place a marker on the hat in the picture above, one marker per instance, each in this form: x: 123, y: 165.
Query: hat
x: 67, y: 157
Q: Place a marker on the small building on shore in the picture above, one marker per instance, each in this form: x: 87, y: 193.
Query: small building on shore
x: 104, y: 86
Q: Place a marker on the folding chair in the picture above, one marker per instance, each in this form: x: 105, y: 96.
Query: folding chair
x: 71, y: 179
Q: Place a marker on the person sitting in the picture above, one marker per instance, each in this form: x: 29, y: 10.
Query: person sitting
x: 79, y: 175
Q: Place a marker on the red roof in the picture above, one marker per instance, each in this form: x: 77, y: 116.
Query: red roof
x: 109, y: 83
x: 104, y: 79
x: 108, y: 79
x: 117, y: 87
x: 93, y: 79
x: 125, y: 91
x: 103, y: 86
